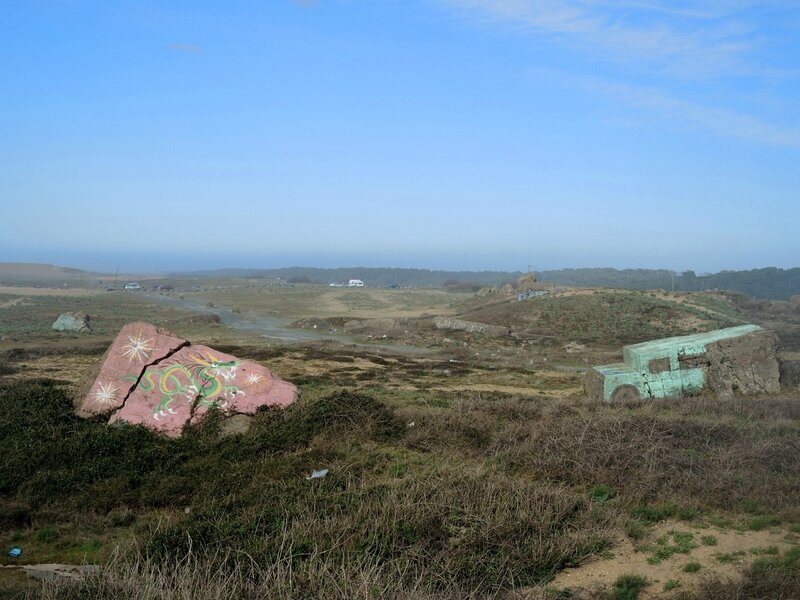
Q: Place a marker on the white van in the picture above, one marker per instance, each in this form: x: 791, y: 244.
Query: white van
x: 132, y: 286
x: 355, y: 283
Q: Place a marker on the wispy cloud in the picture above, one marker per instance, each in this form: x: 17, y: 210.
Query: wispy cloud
x: 186, y: 48
x: 678, y: 47
x: 720, y: 120
x: 699, y: 38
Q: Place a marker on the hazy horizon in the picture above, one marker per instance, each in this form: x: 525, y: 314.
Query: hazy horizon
x: 442, y: 134
x: 108, y: 267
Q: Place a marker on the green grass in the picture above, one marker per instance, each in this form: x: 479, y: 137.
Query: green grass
x: 600, y: 493
x: 47, y: 534
x: 671, y: 584
x: 691, y: 567
x: 762, y: 522
x: 487, y: 492
x: 628, y: 587
x: 654, y: 514
x: 788, y: 562
x: 708, y: 540
x: 248, y: 493
x: 730, y: 557
x: 682, y: 543
x: 109, y: 312
x: 606, y: 317
x: 635, y: 529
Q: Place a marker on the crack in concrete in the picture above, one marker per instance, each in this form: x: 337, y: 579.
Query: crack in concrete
x: 153, y: 363
x: 193, y: 409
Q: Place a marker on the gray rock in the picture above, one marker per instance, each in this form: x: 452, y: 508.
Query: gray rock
x: 77, y: 322
x: 448, y: 323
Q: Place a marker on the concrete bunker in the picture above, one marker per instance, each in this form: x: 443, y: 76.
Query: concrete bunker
x: 736, y: 360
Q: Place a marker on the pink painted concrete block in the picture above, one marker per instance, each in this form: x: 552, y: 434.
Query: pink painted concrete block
x: 136, y: 345
x: 161, y: 381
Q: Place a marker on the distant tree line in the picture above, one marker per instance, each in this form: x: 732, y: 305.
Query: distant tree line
x: 373, y: 277
x: 769, y: 283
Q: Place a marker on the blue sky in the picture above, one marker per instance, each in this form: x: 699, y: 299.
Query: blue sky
x: 456, y: 134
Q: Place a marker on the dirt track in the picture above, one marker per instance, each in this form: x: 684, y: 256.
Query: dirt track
x: 34, y: 291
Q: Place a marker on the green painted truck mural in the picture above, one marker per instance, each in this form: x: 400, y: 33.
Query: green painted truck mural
x: 727, y: 361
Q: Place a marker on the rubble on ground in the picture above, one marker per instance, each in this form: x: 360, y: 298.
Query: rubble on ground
x: 449, y: 323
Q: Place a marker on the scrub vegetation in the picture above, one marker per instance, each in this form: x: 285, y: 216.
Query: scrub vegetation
x: 455, y: 474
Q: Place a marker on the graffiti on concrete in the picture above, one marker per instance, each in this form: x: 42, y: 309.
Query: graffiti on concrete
x: 153, y: 378
x: 203, y: 379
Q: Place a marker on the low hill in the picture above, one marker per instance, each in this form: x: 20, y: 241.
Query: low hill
x: 373, y: 277
x: 609, y: 317
x: 768, y: 283
x: 45, y: 274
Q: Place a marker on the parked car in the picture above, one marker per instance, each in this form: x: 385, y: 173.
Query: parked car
x: 132, y: 286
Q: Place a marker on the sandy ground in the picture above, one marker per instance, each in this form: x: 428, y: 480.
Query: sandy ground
x: 628, y: 560
x: 13, y: 302
x: 34, y: 291
x: 324, y: 302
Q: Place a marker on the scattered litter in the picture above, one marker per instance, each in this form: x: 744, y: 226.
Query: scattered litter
x: 187, y: 510
x: 318, y: 474
x: 410, y: 424
x: 15, y: 552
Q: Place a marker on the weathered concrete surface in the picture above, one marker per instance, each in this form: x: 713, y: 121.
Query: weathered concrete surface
x: 136, y: 346
x: 594, y: 384
x: 77, y: 322
x: 159, y: 380
x: 746, y: 365
x: 739, y: 360
x: 469, y: 326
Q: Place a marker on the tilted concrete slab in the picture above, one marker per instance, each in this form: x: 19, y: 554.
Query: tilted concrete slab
x: 136, y: 346
x: 153, y: 378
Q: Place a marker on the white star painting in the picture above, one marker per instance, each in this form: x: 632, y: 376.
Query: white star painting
x: 137, y: 347
x: 106, y: 394
x: 254, y: 378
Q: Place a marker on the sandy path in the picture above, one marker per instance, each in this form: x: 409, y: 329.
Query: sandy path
x: 10, y: 303
x: 628, y: 560
x: 32, y: 291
